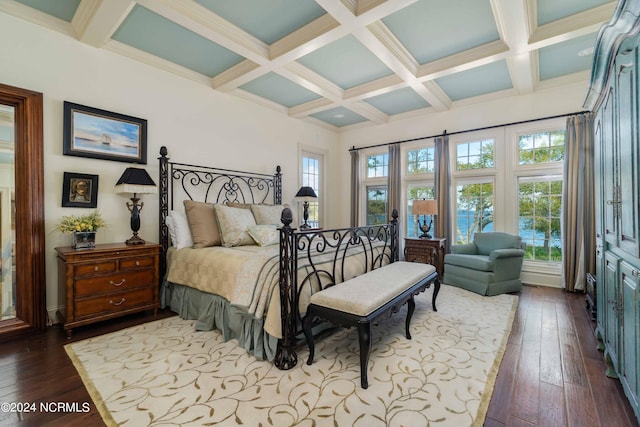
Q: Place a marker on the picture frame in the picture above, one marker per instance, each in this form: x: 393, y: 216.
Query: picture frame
x: 100, y: 134
x: 79, y: 190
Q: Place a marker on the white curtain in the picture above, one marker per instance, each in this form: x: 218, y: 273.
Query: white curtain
x: 442, y: 184
x: 578, y: 222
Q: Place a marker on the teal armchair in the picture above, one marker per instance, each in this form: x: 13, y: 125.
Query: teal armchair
x: 490, y: 265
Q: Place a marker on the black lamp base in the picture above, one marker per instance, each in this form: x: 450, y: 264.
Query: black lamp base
x: 425, y: 228
x: 135, y: 240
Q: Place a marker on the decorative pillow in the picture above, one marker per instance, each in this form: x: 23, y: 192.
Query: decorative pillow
x: 239, y: 205
x: 234, y: 225
x: 179, y: 230
x: 203, y: 224
x: 269, y: 214
x: 265, y: 235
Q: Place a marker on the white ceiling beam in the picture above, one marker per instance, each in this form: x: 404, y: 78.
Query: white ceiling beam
x: 513, y: 21
x: 95, y: 21
x: 463, y: 61
x: 572, y: 26
x: 434, y: 95
x: 200, y: 20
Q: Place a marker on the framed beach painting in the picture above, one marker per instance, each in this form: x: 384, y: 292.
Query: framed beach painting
x: 99, y: 134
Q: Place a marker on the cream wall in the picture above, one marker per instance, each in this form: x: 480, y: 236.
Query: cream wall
x: 197, y: 124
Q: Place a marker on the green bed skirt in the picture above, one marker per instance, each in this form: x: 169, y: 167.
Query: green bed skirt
x: 214, y: 312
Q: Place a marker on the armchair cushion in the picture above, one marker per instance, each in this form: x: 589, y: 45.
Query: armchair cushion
x: 489, y: 266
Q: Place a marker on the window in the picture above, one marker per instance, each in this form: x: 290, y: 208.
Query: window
x: 311, y: 171
x: 539, y: 205
x: 378, y: 165
x: 474, y: 155
x: 474, y: 210
x: 544, y: 147
x: 540, y: 160
x: 421, y: 160
x: 377, y: 205
x: 416, y: 191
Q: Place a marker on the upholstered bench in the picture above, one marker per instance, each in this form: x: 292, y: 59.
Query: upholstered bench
x: 366, y: 298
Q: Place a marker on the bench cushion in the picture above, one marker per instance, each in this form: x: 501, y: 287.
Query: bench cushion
x: 363, y: 294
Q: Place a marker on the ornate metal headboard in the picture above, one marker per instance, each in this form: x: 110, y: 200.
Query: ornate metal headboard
x: 179, y: 181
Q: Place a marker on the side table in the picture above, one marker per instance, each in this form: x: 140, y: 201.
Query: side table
x: 427, y: 251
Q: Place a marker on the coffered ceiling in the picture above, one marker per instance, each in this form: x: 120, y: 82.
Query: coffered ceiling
x: 343, y: 63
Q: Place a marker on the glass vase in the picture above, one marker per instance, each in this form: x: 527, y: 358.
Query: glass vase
x: 84, y: 239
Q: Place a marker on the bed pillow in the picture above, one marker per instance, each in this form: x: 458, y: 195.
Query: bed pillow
x: 202, y: 223
x: 264, y: 235
x: 269, y: 214
x: 179, y: 230
x: 239, y: 205
x: 234, y: 225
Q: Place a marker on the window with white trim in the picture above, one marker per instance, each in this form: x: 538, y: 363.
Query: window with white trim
x: 311, y: 177
x: 539, y: 182
x: 376, y: 190
x: 419, y: 178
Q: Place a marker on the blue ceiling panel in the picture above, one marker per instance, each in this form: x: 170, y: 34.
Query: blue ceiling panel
x: 398, y: 101
x: 477, y: 81
x: 552, y: 10
x: 62, y: 9
x: 152, y: 33
x: 346, y: 62
x: 454, y: 25
x: 566, y: 58
x: 339, y: 117
x: 268, y: 21
x: 280, y: 90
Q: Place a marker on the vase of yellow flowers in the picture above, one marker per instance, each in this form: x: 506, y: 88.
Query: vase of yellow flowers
x: 82, y: 229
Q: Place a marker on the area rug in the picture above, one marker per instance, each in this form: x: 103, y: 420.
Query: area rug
x: 164, y: 373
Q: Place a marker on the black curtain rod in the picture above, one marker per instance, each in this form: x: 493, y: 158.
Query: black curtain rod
x: 469, y: 130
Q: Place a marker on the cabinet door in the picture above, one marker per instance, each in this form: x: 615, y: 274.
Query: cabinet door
x: 601, y: 298
x: 609, y: 180
x: 613, y: 307
x: 630, y: 328
x: 626, y: 191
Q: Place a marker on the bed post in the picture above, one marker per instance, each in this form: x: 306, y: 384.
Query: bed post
x: 277, y: 187
x: 395, y: 238
x: 286, y: 357
x: 164, y: 208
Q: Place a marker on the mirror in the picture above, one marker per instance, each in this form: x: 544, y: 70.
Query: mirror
x: 7, y: 214
x: 23, y: 305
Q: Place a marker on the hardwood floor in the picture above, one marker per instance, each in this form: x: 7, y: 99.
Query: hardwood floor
x: 551, y: 374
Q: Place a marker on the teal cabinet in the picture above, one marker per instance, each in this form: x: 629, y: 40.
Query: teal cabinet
x: 614, y: 96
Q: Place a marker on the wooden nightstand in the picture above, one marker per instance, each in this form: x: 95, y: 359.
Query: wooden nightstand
x: 108, y: 281
x: 428, y: 251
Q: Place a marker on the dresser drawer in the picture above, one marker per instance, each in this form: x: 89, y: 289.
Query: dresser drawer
x: 114, y: 302
x: 94, y: 268
x: 133, y: 263
x: 113, y: 282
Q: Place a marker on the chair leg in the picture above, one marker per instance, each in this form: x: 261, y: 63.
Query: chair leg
x: 364, y: 336
x: 411, y: 306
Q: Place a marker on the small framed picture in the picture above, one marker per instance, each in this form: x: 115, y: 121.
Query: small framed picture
x: 79, y: 190
x: 100, y: 134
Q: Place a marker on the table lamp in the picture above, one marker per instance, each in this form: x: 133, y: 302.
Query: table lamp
x: 425, y: 207
x: 305, y: 195
x: 135, y: 180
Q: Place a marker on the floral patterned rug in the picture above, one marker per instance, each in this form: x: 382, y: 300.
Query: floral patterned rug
x: 166, y: 373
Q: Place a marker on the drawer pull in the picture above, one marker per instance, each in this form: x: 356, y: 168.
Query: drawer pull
x: 635, y: 273
x: 117, y: 303
x: 120, y: 283
x: 137, y: 262
x: 96, y: 268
